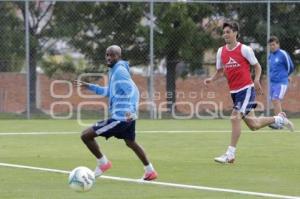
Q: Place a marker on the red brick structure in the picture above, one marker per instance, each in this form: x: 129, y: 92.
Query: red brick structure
x: 192, y: 95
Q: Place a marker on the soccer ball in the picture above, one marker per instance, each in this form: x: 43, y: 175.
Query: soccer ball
x: 81, y: 179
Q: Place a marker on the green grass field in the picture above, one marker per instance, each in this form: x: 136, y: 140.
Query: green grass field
x: 267, y: 161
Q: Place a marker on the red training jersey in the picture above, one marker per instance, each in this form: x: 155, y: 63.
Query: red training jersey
x: 236, y: 67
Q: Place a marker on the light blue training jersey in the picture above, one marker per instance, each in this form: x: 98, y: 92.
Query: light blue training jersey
x: 123, y: 95
x: 281, y: 66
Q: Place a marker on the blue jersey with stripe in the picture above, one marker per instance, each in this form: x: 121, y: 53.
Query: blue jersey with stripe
x: 123, y: 94
x: 281, y: 66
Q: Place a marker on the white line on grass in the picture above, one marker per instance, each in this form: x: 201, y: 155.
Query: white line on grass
x: 161, y: 183
x: 39, y: 133
x: 143, y: 132
x: 215, y: 131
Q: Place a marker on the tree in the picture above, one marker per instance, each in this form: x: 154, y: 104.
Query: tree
x: 285, y: 22
x: 181, y: 38
x: 40, y: 17
x: 45, y: 29
x: 102, y: 24
x: 12, y: 53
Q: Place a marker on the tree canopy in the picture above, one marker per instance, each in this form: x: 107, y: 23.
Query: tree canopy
x: 12, y: 39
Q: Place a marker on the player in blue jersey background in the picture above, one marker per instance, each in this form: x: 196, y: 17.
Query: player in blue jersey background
x: 280, y: 68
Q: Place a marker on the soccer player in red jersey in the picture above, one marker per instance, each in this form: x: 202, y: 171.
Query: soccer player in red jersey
x: 233, y: 61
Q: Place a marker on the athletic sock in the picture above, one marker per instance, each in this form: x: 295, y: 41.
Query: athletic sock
x: 102, y: 160
x: 149, y: 168
x: 231, y: 150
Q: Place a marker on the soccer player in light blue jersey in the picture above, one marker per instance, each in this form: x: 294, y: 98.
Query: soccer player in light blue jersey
x: 281, y: 67
x: 123, y: 100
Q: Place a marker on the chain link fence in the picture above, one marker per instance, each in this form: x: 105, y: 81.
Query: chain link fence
x: 171, y: 48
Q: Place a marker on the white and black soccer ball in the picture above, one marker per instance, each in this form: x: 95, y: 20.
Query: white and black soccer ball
x: 81, y: 179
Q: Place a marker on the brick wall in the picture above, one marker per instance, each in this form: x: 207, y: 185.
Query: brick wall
x: 12, y: 92
x: 191, y: 94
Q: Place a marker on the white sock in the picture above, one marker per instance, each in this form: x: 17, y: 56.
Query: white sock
x: 149, y: 168
x: 231, y: 150
x: 278, y: 120
x: 102, y: 160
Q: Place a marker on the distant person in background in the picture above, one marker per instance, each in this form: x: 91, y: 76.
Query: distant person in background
x: 123, y: 99
x: 280, y: 68
x: 233, y: 61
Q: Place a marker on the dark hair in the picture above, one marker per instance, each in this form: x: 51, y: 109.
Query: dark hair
x: 234, y: 26
x: 231, y: 24
x: 273, y: 39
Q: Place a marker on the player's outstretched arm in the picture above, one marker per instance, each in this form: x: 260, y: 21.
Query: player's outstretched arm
x: 218, y: 74
x: 79, y: 83
x: 92, y: 87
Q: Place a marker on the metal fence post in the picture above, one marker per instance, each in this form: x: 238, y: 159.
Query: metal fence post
x: 151, y: 86
x: 27, y: 56
x: 268, y: 52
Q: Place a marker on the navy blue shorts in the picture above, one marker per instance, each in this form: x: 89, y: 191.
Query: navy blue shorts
x: 244, y: 100
x: 111, y: 127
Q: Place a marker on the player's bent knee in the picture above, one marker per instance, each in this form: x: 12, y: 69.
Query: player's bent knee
x: 235, y: 119
x: 130, y: 144
x: 86, y: 135
x: 253, y: 128
x: 83, y: 137
x: 252, y: 125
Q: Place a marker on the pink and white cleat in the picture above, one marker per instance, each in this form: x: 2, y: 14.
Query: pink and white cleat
x: 150, y: 175
x: 100, y: 169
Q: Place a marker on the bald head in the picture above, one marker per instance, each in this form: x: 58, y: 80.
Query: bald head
x: 113, y: 54
x: 116, y: 50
